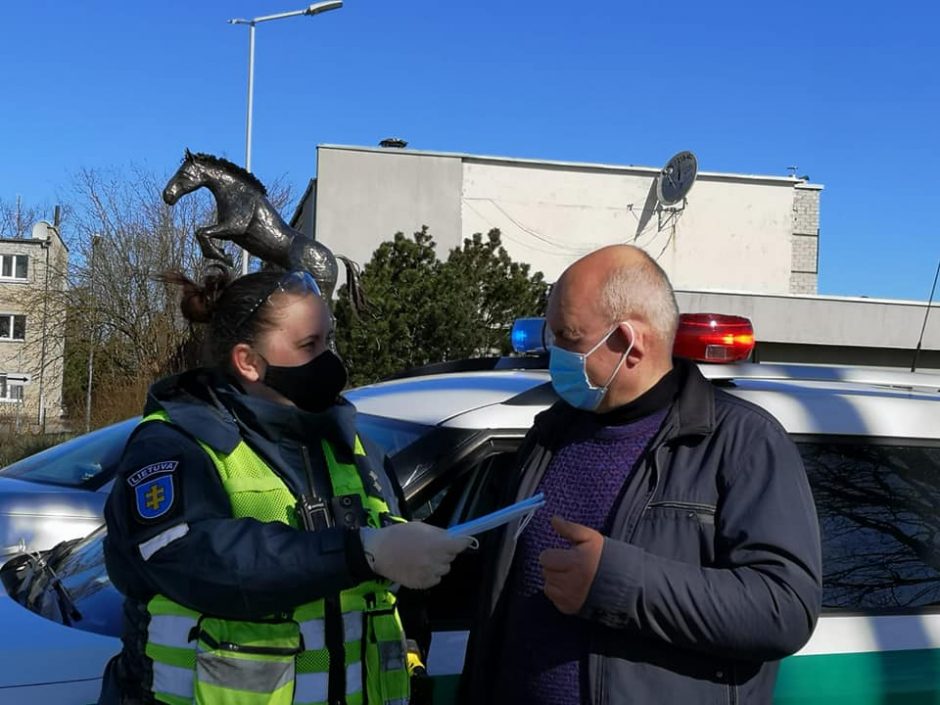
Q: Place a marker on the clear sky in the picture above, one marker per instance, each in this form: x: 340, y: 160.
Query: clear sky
x: 848, y: 92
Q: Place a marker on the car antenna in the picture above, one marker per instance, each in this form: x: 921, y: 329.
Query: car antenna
x: 926, y: 313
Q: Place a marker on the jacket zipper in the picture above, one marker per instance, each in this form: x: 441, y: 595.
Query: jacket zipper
x: 600, y: 670
x: 239, y: 648
x: 333, y: 632
x: 654, y: 467
x: 696, y: 507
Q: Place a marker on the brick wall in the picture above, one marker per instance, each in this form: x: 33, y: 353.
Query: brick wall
x: 805, y: 241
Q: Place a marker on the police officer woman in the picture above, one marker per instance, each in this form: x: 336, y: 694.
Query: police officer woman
x: 253, y: 532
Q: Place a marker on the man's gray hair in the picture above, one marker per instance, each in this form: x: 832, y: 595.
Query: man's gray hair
x: 642, y: 289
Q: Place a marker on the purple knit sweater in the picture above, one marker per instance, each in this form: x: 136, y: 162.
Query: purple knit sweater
x: 543, y: 650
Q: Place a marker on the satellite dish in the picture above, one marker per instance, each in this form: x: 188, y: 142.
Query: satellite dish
x: 41, y: 230
x: 676, y: 178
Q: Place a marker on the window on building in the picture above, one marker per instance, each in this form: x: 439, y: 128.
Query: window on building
x: 11, y: 389
x: 12, y: 326
x: 877, y: 507
x: 14, y: 267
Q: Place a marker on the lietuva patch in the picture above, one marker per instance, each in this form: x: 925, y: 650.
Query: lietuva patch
x: 161, y: 468
x: 154, y: 490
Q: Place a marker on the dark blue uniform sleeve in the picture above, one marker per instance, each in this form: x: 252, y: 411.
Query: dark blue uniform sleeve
x: 171, y: 531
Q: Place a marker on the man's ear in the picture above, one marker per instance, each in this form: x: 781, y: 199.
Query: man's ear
x: 247, y: 364
x: 632, y: 331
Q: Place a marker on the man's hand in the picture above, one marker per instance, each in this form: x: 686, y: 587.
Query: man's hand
x: 570, y: 572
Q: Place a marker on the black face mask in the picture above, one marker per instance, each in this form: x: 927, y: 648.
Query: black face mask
x: 312, y: 386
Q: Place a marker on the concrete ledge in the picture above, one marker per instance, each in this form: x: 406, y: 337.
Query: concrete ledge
x: 824, y: 320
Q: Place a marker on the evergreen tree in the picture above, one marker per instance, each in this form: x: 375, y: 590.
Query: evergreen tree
x: 423, y: 310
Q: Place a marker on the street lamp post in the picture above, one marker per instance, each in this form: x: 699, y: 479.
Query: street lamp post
x: 310, y: 10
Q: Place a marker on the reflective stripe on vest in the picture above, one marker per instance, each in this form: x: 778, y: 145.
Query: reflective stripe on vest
x: 189, y: 661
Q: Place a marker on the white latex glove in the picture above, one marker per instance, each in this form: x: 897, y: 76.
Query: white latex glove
x: 414, y: 554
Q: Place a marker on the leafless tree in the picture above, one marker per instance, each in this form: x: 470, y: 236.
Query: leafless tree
x: 132, y: 319
x: 17, y: 218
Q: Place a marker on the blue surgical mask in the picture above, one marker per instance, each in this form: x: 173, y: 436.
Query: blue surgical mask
x: 569, y: 374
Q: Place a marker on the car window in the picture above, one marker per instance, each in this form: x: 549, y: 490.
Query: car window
x: 451, y: 605
x: 879, y: 515
x: 86, y: 462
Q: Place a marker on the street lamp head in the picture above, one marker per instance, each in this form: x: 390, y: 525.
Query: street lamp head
x: 318, y: 7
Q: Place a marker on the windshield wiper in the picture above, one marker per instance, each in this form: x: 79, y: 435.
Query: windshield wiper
x: 65, y: 602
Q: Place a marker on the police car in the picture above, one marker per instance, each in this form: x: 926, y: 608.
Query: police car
x: 870, y: 439
x: 59, y: 493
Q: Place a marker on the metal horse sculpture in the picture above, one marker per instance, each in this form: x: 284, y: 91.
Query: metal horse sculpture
x: 247, y: 218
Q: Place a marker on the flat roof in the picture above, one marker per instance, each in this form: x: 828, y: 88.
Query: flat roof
x: 593, y: 166
x: 809, y: 297
x: 20, y: 240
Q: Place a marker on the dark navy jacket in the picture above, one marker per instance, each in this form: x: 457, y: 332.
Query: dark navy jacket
x: 710, y: 573
x: 235, y: 568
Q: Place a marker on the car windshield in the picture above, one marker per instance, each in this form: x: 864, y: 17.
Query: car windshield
x: 86, y: 462
x: 392, y: 435
x: 91, y: 603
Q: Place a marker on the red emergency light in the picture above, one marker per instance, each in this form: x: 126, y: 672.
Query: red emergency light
x: 714, y: 337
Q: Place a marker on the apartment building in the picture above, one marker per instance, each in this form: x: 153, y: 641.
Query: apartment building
x: 32, y: 324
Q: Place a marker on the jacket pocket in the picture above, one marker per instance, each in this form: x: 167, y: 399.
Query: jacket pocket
x: 681, y: 530
x: 245, y: 663
x: 704, y: 513
x: 384, y: 656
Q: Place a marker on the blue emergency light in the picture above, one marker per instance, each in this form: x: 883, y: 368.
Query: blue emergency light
x: 528, y: 335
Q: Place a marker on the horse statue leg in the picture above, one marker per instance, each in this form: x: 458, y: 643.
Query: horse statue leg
x: 211, y: 251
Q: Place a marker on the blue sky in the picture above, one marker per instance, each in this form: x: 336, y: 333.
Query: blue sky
x: 849, y: 92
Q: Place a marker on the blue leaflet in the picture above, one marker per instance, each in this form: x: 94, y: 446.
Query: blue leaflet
x: 499, y: 517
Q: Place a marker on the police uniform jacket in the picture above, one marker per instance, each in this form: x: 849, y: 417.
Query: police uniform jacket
x: 180, y: 539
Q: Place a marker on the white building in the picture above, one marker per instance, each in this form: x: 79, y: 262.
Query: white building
x: 750, y: 233
x: 739, y: 244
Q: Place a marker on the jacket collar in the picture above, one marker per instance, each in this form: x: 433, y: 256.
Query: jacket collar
x: 207, y: 402
x: 278, y: 421
x: 692, y: 413
x: 192, y: 402
x: 694, y: 409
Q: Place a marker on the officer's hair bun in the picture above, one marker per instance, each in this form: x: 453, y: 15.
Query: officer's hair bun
x: 199, y: 300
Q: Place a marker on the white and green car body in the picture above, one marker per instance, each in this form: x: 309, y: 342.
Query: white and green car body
x: 870, y: 440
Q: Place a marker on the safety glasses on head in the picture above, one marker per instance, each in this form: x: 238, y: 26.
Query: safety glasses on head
x: 298, y: 282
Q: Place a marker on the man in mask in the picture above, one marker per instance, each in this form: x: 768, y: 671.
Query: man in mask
x: 677, y: 558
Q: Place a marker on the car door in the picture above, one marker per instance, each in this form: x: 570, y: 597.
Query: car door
x: 473, y: 491
x: 878, y: 638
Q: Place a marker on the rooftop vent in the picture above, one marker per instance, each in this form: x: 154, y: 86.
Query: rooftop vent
x: 393, y: 143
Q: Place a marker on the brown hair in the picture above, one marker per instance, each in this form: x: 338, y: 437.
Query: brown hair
x: 224, y: 304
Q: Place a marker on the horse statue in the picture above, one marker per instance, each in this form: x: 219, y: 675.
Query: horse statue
x: 247, y: 218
